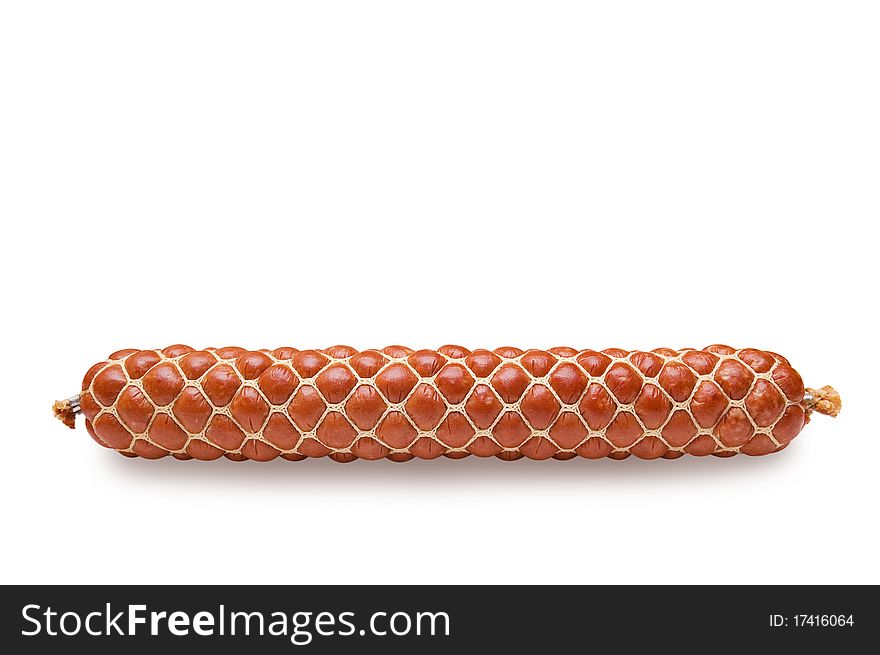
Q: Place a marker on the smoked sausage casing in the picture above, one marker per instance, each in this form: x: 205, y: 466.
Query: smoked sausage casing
x: 398, y: 403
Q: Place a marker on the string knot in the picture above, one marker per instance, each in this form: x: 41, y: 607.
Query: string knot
x: 825, y: 401
x: 66, y: 411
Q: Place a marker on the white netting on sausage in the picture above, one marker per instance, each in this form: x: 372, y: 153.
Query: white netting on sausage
x: 548, y: 447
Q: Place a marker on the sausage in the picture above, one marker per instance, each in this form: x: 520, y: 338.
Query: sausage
x: 398, y: 403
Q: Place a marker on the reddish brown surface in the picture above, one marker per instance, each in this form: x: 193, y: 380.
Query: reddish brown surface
x: 399, y: 403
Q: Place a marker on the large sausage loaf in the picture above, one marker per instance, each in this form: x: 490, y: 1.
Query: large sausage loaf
x: 398, y: 403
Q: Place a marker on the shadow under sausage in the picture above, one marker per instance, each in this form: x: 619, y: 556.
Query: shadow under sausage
x: 442, y: 472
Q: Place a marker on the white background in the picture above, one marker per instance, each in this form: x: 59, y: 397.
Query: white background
x: 484, y: 173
